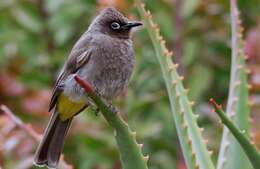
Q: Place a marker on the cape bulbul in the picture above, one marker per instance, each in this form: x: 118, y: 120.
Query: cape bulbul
x: 104, y: 57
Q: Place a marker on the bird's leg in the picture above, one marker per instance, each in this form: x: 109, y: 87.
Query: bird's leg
x: 108, y: 103
x: 96, y: 91
x: 100, y: 96
x: 112, y: 107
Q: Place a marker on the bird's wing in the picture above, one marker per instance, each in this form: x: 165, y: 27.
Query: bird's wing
x: 79, y: 56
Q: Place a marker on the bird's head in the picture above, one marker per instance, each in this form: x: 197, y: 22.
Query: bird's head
x: 113, y: 23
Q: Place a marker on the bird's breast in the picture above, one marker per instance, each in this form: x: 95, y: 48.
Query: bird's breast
x: 108, y: 70
x: 115, y: 65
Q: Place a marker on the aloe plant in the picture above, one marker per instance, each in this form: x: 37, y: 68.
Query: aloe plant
x: 231, y: 155
x: 193, y: 146
x: 130, y: 150
x: 240, y: 136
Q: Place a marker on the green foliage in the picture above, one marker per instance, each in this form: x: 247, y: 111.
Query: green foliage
x: 249, y: 148
x: 35, y: 44
x: 193, y: 147
x: 231, y: 155
x: 130, y: 151
x: 199, y: 79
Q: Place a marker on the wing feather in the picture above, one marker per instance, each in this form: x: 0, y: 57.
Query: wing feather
x: 78, y: 57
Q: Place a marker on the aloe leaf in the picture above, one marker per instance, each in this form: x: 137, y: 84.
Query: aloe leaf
x: 249, y: 148
x: 130, y: 151
x: 231, y: 154
x: 193, y: 147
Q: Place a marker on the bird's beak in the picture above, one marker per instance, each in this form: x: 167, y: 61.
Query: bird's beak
x: 132, y: 24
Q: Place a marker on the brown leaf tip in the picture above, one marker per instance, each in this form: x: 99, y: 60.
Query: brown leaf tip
x: 214, y: 103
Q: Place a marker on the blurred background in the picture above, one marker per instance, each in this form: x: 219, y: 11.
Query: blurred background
x: 36, y: 37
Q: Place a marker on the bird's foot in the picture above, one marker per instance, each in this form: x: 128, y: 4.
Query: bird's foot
x: 113, y: 108
x: 108, y: 103
x: 96, y: 91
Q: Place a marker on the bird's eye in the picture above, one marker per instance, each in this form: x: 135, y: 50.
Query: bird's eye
x: 115, y: 25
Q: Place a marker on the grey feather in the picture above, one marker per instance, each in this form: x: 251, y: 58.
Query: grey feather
x: 102, y: 56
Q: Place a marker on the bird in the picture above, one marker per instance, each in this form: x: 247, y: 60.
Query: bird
x: 103, y: 56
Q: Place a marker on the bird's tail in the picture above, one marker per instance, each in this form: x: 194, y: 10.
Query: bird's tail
x: 49, y: 151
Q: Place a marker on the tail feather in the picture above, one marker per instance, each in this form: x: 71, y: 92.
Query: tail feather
x: 49, y: 150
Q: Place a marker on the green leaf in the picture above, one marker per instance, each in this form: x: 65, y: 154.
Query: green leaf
x: 240, y: 135
x: 231, y: 154
x: 130, y: 152
x: 194, y: 149
x: 199, y: 80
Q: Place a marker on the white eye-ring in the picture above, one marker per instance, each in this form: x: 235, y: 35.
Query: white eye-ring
x: 115, y: 25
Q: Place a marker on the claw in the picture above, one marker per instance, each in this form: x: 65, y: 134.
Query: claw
x: 113, y: 108
x: 97, y: 92
x: 108, y: 103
